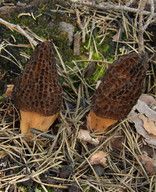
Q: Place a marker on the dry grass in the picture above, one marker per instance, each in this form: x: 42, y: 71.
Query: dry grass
x: 42, y: 160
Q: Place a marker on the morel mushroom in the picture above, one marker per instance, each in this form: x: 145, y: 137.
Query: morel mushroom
x: 37, y: 91
x: 118, y: 91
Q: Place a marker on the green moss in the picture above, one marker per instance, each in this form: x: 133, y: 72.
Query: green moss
x: 106, y: 48
x: 41, y: 27
x: 40, y: 189
x: 89, y: 190
x: 1, y: 96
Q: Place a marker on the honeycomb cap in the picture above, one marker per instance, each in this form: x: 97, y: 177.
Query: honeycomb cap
x: 38, y: 89
x: 120, y: 87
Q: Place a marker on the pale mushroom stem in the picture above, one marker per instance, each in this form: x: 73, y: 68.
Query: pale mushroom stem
x: 34, y: 120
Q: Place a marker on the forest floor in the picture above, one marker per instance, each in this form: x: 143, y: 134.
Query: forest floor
x: 88, y: 36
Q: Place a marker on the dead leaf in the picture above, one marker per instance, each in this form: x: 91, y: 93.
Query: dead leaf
x: 149, y: 163
x: 148, y: 125
x: 3, y: 75
x: 99, y: 158
x: 98, y: 124
x: 116, y: 37
x: 151, y: 102
x: 3, y: 154
x: 143, y: 108
x: 117, y: 140
x: 84, y: 135
x: 147, y: 150
x: 8, y: 91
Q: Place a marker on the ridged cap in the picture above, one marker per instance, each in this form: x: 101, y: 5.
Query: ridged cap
x: 120, y: 87
x: 38, y: 89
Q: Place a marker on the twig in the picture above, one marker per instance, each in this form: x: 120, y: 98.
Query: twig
x: 149, y: 20
x: 19, y: 30
x: 141, y: 7
x: 51, y: 185
x: 81, y: 26
x: 107, y: 6
x: 38, y: 179
x: 66, y: 123
x: 76, y: 46
x: 42, y: 134
x: 3, y: 76
x: 141, y: 26
x: 129, y: 3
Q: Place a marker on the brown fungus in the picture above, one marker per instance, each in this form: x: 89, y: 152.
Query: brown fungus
x: 118, y: 91
x: 37, y: 91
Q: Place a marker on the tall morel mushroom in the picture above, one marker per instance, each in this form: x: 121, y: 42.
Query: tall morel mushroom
x: 37, y: 91
x: 118, y: 91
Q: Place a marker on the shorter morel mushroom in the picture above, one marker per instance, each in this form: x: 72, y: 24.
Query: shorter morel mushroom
x: 118, y: 91
x: 37, y: 91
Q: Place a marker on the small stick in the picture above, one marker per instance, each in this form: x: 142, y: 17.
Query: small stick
x: 46, y: 135
x: 3, y: 76
x: 19, y: 30
x: 141, y: 26
x: 77, y: 44
x: 80, y: 25
x: 66, y: 123
x: 107, y: 6
x: 141, y: 7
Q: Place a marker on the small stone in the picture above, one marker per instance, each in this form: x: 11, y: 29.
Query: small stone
x: 69, y: 28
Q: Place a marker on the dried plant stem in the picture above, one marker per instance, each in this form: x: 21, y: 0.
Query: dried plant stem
x: 2, y: 76
x: 139, y: 23
x: 19, y: 30
x: 152, y: 14
x: 141, y: 7
x: 51, y: 185
x: 107, y: 6
x: 81, y: 26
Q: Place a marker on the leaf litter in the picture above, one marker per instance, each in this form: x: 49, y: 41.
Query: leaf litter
x: 143, y: 116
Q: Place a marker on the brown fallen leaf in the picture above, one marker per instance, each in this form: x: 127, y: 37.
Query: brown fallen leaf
x: 117, y: 140
x: 3, y: 154
x: 2, y: 76
x: 149, y: 100
x: 116, y: 37
x: 98, y: 124
x: 146, y: 149
x: 8, y: 91
x: 99, y: 158
x: 149, y: 163
x: 84, y: 135
x: 148, y: 124
x: 144, y: 107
